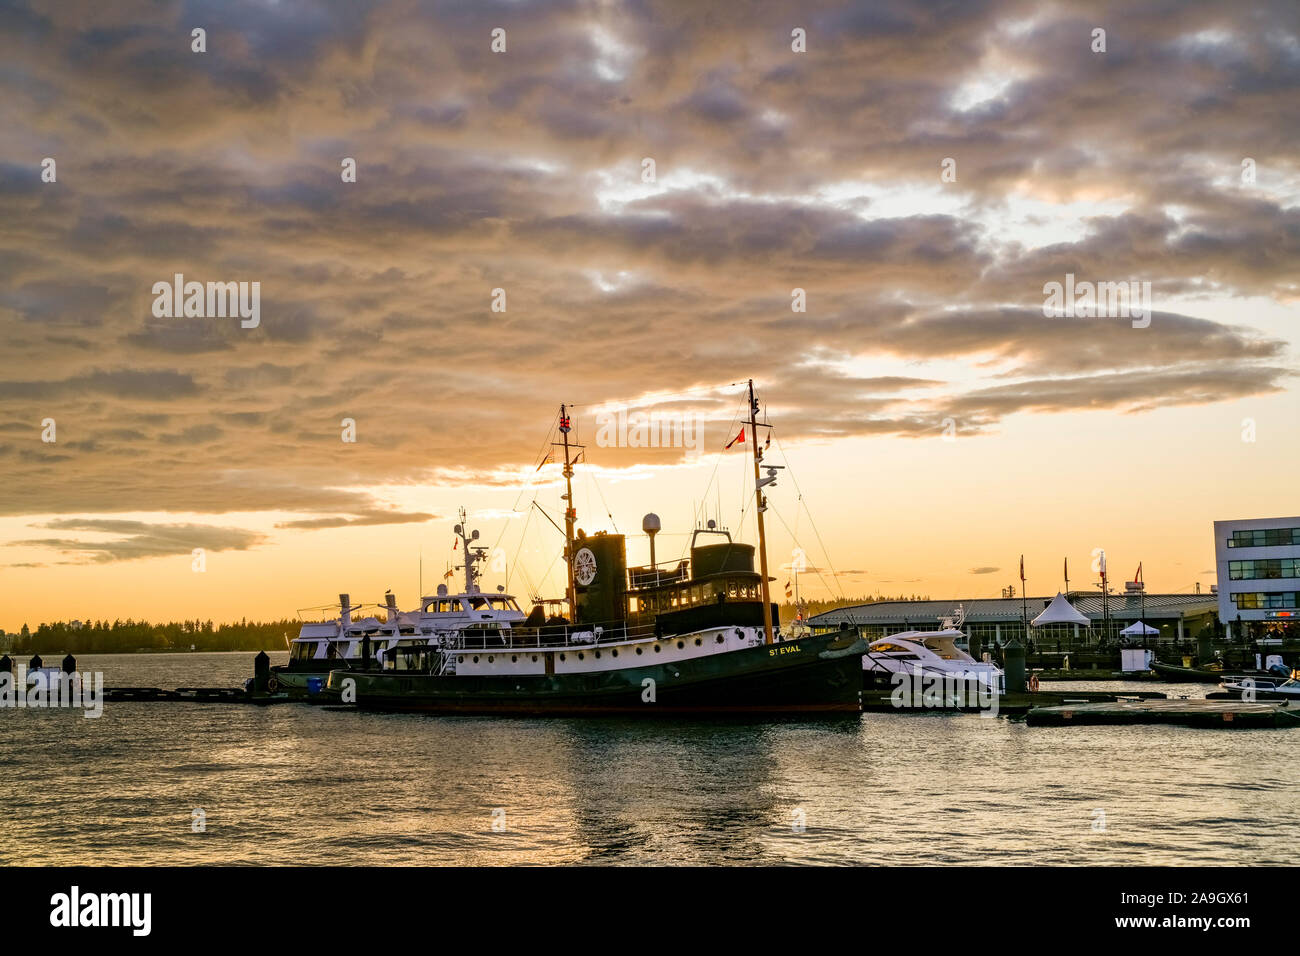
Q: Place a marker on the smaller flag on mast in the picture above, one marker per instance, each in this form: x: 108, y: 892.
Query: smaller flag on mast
x: 1138, y: 577
x: 1022, y: 569
x: 740, y: 438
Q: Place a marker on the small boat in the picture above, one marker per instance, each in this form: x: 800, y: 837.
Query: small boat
x: 1188, y: 675
x: 1262, y: 688
x: 929, y: 653
x: 1211, y: 674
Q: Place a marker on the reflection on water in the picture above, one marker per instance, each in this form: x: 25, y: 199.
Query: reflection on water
x: 297, y: 784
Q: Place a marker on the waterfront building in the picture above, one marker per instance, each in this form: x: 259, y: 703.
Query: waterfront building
x: 1177, y: 617
x: 1258, y: 563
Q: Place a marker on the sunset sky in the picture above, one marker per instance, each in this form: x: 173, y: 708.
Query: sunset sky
x: 936, y: 422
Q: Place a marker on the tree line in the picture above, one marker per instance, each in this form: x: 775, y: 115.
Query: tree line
x: 130, y: 636
x: 820, y: 606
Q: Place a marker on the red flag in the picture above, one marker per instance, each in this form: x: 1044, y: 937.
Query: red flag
x: 740, y: 438
x: 1138, y: 577
x: 454, y: 542
x: 1022, y: 569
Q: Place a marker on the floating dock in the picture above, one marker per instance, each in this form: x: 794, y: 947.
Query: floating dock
x: 1090, y: 674
x: 880, y: 700
x: 194, y: 695
x: 1223, y: 714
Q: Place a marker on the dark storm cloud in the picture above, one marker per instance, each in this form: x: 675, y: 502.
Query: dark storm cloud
x: 140, y: 539
x: 353, y: 521
x: 522, y: 171
x: 127, y: 384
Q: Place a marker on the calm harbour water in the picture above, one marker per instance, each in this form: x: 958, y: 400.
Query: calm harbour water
x: 295, y: 784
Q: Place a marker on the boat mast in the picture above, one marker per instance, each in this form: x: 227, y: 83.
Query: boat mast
x: 761, y: 501
x: 570, y: 517
x: 473, y: 555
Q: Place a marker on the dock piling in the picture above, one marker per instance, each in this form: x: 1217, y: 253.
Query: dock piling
x: 1014, y: 656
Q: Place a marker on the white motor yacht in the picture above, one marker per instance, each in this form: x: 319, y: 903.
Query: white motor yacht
x: 323, y: 646
x: 932, y: 652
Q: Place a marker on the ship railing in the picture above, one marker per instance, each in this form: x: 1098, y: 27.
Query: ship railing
x: 549, y: 636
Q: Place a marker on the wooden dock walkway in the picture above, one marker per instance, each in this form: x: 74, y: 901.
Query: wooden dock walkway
x: 192, y: 695
x: 1224, y: 714
x: 880, y: 700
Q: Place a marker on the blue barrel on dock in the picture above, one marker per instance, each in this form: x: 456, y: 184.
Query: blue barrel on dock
x: 314, y: 685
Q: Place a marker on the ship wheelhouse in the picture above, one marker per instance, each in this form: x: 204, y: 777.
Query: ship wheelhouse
x: 717, y: 586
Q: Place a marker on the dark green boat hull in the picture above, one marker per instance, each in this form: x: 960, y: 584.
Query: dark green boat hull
x: 1188, y: 674
x: 814, y: 675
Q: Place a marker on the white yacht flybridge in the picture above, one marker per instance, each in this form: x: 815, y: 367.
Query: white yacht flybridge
x: 322, y: 646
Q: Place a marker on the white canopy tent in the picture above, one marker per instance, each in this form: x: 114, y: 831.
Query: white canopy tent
x: 1060, y: 611
x: 1140, y: 630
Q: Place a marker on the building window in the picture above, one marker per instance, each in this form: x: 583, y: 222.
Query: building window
x: 1265, y: 538
x: 1263, y: 569
x: 1260, y: 600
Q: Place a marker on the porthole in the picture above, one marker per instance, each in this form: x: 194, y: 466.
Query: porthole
x: 658, y: 648
x: 460, y: 658
x: 699, y: 642
x: 561, y: 657
x: 534, y: 658
x: 598, y: 655
x: 514, y: 658
x: 581, y: 656
x: 681, y: 645
x: 475, y: 658
x: 615, y: 653
x: 492, y: 660
x: 719, y: 638
x: 638, y: 650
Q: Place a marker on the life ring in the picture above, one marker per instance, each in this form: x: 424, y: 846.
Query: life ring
x: 272, y: 685
x: 1033, y: 683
